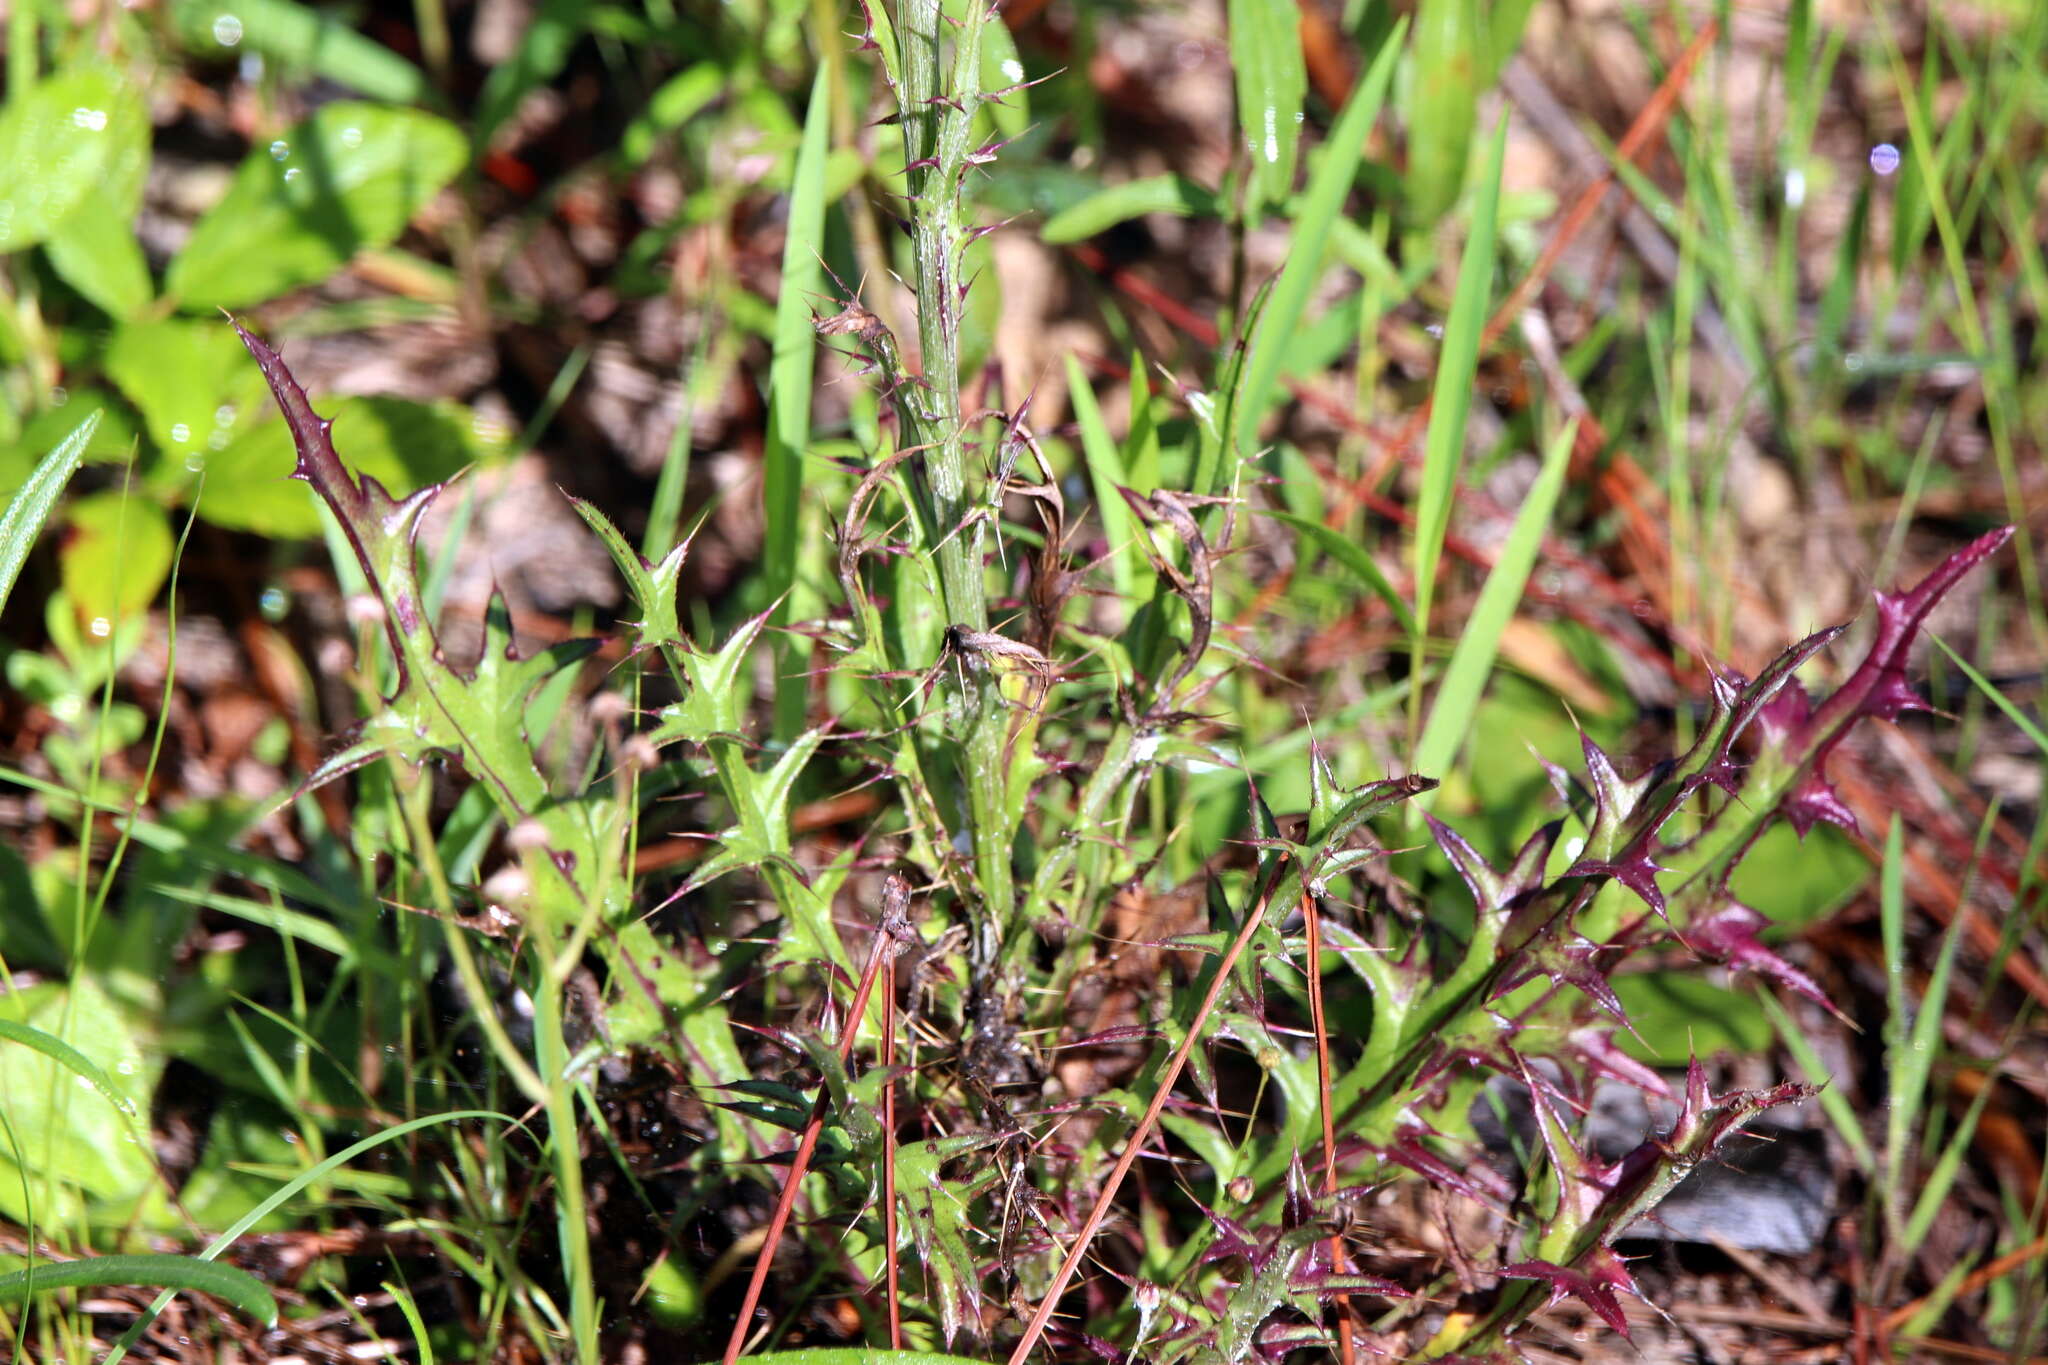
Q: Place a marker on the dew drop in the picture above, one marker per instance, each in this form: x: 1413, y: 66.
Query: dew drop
x: 227, y: 30
x: 351, y: 137
x: 1884, y: 158
x: 92, y: 120
x: 100, y: 628
x: 180, y: 433
x: 280, y: 149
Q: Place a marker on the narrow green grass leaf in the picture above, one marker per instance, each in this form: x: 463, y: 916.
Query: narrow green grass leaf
x: 287, y: 1192
x: 1272, y: 81
x: 1450, y: 716
x: 1998, y: 698
x: 1106, y: 474
x: 1353, y: 557
x: 30, y: 507
x: 1104, y: 209
x: 174, y: 1273
x: 1443, y: 105
x: 70, y: 1058
x: 1934, y: 1192
x: 1457, y: 367
x: 1321, y: 206
x: 796, y: 343
x: 1833, y: 1102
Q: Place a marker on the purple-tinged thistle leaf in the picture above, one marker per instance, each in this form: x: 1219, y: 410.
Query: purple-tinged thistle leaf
x: 1325, y: 1283
x: 1615, y: 800
x: 1815, y: 801
x: 380, y: 528
x: 1596, y: 1046
x: 1593, y: 1282
x: 1781, y: 717
x: 1496, y: 893
x: 1760, y: 697
x: 1878, y: 686
x: 1576, y: 964
x: 1279, y: 1339
x: 1633, y: 870
x: 1475, y: 1180
x: 1299, y: 1207
x: 1730, y: 935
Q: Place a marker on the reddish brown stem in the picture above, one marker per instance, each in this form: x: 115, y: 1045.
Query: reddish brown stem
x: 895, y: 900
x: 1036, y: 1327
x: 1313, y: 916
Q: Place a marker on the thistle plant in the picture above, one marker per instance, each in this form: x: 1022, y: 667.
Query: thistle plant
x: 1022, y: 745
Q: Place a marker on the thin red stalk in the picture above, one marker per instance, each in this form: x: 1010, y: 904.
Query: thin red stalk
x: 1036, y: 1328
x: 1313, y: 916
x: 889, y: 1150
x: 884, y: 949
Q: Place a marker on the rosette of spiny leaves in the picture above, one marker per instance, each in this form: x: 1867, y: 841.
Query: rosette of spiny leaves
x: 1532, y: 923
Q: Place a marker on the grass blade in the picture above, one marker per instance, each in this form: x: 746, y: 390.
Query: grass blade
x: 30, y: 507
x: 1352, y: 556
x: 1106, y: 473
x: 1104, y: 209
x: 1272, y: 79
x: 1450, y: 716
x: 71, y: 1059
x: 289, y: 1191
x: 1451, y: 399
x: 1833, y: 1102
x: 1998, y: 698
x: 174, y: 1273
x: 1321, y: 205
x: 796, y: 343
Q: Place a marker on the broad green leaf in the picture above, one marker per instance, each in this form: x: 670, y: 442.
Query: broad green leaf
x: 1272, y: 80
x: 74, y: 131
x: 1450, y: 716
x: 96, y: 252
x: 1792, y: 881
x: 351, y: 176
x: 1321, y: 206
x: 1104, y: 209
x: 1451, y: 398
x: 404, y: 445
x: 190, y: 380
x: 29, y: 508
x: 94, y: 247
x: 297, y: 38
x: 1443, y: 104
x: 67, y: 1139
x: 184, y: 1273
x: 116, y: 554
x: 1353, y: 557
x: 1677, y: 1016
